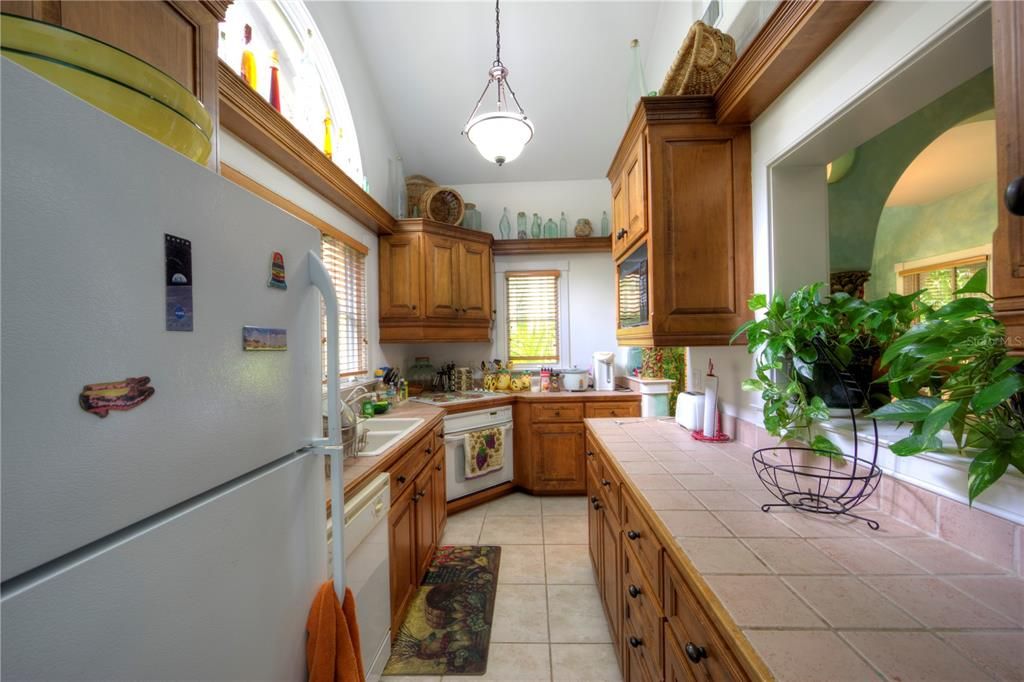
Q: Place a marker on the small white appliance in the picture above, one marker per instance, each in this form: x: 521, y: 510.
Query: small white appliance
x: 604, y: 371
x: 456, y: 427
x: 575, y: 379
x: 367, y: 572
x: 690, y: 410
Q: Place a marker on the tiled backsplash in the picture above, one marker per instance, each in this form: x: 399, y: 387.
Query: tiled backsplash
x: 985, y: 535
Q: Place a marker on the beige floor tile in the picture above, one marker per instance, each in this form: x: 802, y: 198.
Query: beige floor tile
x: 792, y: 556
x: 565, y: 530
x: 516, y: 504
x: 462, y: 530
x: 667, y: 500
x: 514, y: 663
x: 721, y: 555
x: 939, y: 557
x: 845, y: 602
x: 913, y: 656
x: 511, y: 530
x: 754, y: 524
x: 520, y: 614
x: 584, y: 663
x: 936, y: 603
x: 796, y: 656
x: 697, y: 524
x: 568, y: 565
x: 575, y: 614
x: 866, y: 557
x: 561, y: 506
x: 1005, y: 594
x: 762, y: 602
x: 521, y: 564
x: 1001, y: 653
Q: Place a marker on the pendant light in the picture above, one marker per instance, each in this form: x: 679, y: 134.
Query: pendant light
x: 500, y: 135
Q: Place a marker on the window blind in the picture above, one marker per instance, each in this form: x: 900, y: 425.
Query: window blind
x: 940, y: 280
x: 347, y: 268
x: 532, y: 311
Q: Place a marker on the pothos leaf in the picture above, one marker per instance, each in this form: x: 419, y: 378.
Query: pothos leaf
x: 757, y: 301
x: 994, y: 394
x: 907, y: 410
x: 986, y: 468
x: 977, y: 284
x: 939, y: 417
x: 915, y: 444
x: 822, y: 443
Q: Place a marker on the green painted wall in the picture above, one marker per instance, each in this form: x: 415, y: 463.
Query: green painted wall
x: 855, y: 203
x: 960, y: 221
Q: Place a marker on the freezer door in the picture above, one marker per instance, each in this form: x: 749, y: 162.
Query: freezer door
x: 86, y: 202
x: 219, y: 590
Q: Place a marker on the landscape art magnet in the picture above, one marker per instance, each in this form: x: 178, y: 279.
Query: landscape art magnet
x: 264, y: 338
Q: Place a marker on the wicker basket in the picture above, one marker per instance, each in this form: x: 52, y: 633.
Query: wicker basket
x: 415, y: 186
x: 442, y: 204
x: 705, y: 57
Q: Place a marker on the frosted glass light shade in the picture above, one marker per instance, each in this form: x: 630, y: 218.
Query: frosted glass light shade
x: 500, y: 136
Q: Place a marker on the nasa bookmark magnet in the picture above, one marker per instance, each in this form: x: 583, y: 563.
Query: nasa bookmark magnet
x: 277, y: 279
x: 178, y: 271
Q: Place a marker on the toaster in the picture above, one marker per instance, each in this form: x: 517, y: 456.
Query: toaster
x: 690, y: 410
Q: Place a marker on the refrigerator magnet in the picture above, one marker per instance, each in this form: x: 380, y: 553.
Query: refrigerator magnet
x: 277, y: 280
x: 178, y: 284
x: 121, y: 396
x: 264, y: 338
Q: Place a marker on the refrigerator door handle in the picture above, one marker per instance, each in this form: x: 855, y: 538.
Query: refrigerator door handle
x: 321, y: 279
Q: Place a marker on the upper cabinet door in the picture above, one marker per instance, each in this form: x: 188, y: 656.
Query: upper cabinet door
x: 636, y: 191
x: 620, y: 217
x: 475, y: 281
x: 1008, y: 240
x: 442, y: 266
x: 702, y: 262
x: 401, y: 283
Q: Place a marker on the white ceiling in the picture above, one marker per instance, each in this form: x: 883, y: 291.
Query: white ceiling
x: 962, y: 157
x: 568, y: 63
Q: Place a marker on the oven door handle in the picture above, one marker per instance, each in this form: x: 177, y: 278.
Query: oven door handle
x: 457, y: 435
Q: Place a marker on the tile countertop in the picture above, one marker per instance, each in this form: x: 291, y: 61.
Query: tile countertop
x: 822, y: 598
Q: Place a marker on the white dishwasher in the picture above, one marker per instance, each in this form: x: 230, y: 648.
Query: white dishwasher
x: 366, y: 570
x: 456, y: 427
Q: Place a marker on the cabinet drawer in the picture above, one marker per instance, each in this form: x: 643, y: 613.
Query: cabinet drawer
x: 439, y: 437
x: 557, y: 412
x: 641, y: 611
x: 638, y: 536
x: 611, y: 489
x: 691, y: 627
x: 643, y: 663
x: 592, y: 453
x: 617, y: 409
x: 405, y: 469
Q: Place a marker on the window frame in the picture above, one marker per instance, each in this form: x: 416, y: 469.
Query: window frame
x: 501, y: 271
x: 942, y: 261
x: 363, y: 362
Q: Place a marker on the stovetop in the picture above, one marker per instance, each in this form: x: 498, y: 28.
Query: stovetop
x: 454, y: 397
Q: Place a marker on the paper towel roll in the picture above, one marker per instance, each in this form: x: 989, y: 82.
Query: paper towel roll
x: 710, y: 405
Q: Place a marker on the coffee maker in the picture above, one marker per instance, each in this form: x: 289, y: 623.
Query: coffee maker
x: 604, y: 371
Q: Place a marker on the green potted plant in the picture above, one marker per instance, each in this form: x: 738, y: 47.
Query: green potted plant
x: 952, y: 369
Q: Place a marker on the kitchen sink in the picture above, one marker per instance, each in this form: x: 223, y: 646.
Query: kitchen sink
x: 383, y: 432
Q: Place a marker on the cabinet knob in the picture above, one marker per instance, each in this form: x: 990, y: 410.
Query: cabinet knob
x: 633, y: 535
x: 621, y: 234
x: 430, y: 451
x: 635, y: 642
x: 595, y: 504
x: 695, y: 653
x: 439, y: 467
x: 401, y: 479
x: 605, y: 482
x: 414, y: 306
x: 634, y: 591
x: 558, y: 413
x: 1014, y: 197
x: 590, y: 453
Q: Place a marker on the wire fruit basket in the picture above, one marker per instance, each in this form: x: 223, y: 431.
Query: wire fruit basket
x: 817, y: 481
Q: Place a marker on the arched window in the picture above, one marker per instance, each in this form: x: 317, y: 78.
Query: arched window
x: 310, y: 89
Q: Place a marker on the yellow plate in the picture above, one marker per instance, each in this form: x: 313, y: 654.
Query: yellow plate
x: 113, y: 80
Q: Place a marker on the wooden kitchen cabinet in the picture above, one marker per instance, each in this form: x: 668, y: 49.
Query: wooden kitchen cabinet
x: 440, y: 503
x: 681, y: 193
x: 425, y: 501
x: 436, y: 283
x: 560, y: 464
x: 405, y: 576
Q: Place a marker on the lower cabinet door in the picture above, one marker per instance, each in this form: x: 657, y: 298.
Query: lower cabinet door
x: 426, y: 528
x: 440, y: 503
x: 557, y: 451
x: 402, y: 546
x: 594, y: 526
x: 676, y: 664
x: 611, y: 588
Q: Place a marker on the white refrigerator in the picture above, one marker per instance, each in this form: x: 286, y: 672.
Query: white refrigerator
x: 184, y: 538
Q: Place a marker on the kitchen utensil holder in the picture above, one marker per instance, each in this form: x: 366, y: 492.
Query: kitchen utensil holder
x: 833, y: 484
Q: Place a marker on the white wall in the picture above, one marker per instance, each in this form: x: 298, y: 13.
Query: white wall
x: 578, y: 198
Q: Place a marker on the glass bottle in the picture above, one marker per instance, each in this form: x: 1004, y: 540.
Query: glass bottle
x: 275, y: 86
x: 328, y: 143
x: 535, y: 227
x: 637, y: 87
x: 604, y: 224
x: 550, y: 229
x: 248, y: 69
x: 521, y: 225
x: 563, y: 226
x: 505, y: 225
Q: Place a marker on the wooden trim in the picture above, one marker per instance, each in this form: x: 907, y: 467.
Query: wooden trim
x: 246, y: 114
x: 796, y: 33
x: 482, y: 497
x: 242, y: 180
x: 942, y: 265
x: 533, y: 273
x: 409, y: 225
x: 525, y: 247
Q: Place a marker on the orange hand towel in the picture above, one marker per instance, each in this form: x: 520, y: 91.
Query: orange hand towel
x: 332, y: 638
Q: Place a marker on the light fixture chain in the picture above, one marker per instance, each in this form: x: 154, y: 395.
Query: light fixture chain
x: 497, y: 33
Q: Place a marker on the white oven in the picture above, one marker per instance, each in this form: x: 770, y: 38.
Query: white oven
x: 456, y: 427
